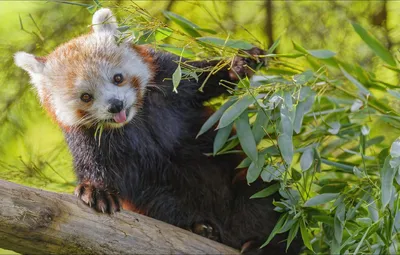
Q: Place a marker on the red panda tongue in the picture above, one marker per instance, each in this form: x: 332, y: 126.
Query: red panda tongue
x: 120, y: 117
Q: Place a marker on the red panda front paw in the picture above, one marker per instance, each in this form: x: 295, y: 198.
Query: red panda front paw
x: 206, y: 230
x: 101, y: 199
x: 247, y: 63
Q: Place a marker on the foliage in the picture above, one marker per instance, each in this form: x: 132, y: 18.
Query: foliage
x: 306, y: 129
x: 320, y: 128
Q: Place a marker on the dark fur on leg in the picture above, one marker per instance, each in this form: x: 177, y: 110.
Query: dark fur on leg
x: 158, y: 168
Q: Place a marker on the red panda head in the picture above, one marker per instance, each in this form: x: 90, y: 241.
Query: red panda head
x: 91, y: 79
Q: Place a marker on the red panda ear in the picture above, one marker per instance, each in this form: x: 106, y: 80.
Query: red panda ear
x: 104, y: 21
x: 30, y: 63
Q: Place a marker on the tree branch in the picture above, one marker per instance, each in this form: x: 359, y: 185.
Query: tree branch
x: 34, y: 221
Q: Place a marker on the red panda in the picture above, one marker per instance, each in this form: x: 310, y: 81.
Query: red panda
x: 147, y: 158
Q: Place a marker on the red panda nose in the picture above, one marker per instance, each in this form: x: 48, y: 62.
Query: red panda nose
x: 116, y: 105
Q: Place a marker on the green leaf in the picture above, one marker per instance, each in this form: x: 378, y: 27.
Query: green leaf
x: 151, y: 36
x: 232, y: 143
x: 247, y: 161
x: 307, y: 159
x: 360, y: 87
x: 179, y: 51
x: 335, y: 128
x: 296, y: 176
x: 374, y: 44
x: 210, y: 31
x: 321, y: 199
x: 387, y: 176
x: 221, y: 138
x: 357, y: 172
x: 189, y: 27
x: 74, y: 3
x: 339, y: 222
x: 299, y: 48
x: 303, y: 108
x: 373, y: 210
x: 332, y: 188
x: 305, y: 235
x: 275, y: 230
x: 162, y: 33
x: 286, y: 147
x: 322, y: 54
x: 246, y: 137
x: 216, y: 116
x: 274, y: 45
x: 395, y: 149
x: 271, y: 173
x: 294, y: 55
x: 286, y: 125
x: 254, y: 170
x: 235, y: 110
x: 235, y: 44
x: 260, y: 124
x: 267, y: 191
x: 292, y: 234
x: 123, y: 28
x: 345, y: 167
x: 303, y: 78
x: 92, y: 9
x: 176, y: 78
x: 328, y: 220
x: 287, y: 225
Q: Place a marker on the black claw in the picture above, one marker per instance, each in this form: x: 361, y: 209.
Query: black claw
x: 102, y: 200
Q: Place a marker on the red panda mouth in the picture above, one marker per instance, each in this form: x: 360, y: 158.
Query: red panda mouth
x: 119, y: 117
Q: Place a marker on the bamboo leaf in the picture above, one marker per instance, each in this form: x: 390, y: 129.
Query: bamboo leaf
x: 322, y: 54
x: 235, y: 44
x: 307, y: 159
x: 215, y: 117
x: 360, y: 87
x: 292, y: 234
x: 321, y: 199
x: 286, y: 147
x: 254, y: 170
x: 221, y: 138
x: 374, y: 44
x: 303, y: 108
x: 305, y: 235
x: 274, y: 45
x: 260, y: 124
x: 235, y: 110
x: 176, y: 78
x: 246, y: 137
x: 185, y: 24
x: 387, y: 177
x: 275, y: 230
x: 179, y: 51
x: 267, y: 191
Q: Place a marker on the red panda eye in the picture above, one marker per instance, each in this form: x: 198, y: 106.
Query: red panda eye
x: 118, y: 78
x: 85, y: 97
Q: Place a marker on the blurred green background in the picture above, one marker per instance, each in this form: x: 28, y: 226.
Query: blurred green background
x: 32, y: 149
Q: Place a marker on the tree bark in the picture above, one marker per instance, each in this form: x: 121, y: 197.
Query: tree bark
x: 269, y: 26
x: 34, y: 221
